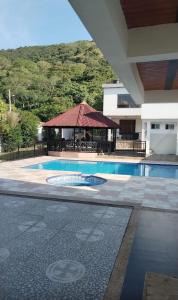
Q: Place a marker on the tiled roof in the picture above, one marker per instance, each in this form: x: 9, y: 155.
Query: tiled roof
x: 81, y: 115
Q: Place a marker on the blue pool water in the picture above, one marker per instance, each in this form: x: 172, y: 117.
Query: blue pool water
x: 75, y: 180
x: 90, y: 167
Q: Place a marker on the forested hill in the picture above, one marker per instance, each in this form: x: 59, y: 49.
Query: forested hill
x: 49, y: 79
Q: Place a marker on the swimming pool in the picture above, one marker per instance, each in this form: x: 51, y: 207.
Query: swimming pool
x: 92, y: 167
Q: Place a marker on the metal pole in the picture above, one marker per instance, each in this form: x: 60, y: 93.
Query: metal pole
x: 10, y: 103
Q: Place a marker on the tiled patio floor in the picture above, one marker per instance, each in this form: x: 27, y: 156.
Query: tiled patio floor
x: 145, y: 191
x: 55, y: 250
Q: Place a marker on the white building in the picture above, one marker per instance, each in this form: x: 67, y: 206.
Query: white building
x: 156, y: 123
x: 140, y: 42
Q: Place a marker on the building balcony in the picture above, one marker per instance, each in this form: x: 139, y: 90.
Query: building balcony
x: 122, y: 111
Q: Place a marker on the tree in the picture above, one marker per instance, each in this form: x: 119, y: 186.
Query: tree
x: 28, y: 125
x: 12, y: 138
x: 46, y: 80
x: 3, y: 115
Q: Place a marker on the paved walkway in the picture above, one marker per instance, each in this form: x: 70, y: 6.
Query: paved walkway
x: 54, y: 250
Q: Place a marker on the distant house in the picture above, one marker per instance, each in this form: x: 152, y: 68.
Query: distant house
x: 155, y: 123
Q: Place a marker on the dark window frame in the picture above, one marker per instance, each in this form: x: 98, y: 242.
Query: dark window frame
x: 154, y: 126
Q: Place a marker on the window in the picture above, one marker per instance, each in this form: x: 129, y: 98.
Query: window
x: 169, y: 126
x: 155, y: 126
x: 121, y: 102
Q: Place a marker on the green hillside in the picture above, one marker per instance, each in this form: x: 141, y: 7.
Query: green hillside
x: 47, y: 80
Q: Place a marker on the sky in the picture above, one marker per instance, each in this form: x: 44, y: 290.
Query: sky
x: 39, y: 22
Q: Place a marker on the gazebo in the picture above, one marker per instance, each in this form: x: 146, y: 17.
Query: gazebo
x: 81, y: 129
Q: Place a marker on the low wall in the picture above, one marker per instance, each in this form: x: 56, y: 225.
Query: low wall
x: 73, y: 154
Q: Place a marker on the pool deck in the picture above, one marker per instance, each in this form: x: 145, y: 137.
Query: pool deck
x: 149, y: 244
x: 149, y: 192
x: 50, y: 250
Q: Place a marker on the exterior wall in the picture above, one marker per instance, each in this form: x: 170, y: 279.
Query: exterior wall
x: 110, y: 103
x: 161, y: 143
x: 138, y: 126
x: 73, y: 154
x: 159, y: 111
x: 159, y: 96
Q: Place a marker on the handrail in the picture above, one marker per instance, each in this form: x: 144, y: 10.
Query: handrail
x: 133, y: 146
x: 129, y: 136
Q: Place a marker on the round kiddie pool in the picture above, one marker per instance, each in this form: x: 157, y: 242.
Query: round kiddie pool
x: 75, y: 180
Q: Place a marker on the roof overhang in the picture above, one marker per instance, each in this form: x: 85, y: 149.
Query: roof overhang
x: 131, y: 34
x: 106, y: 23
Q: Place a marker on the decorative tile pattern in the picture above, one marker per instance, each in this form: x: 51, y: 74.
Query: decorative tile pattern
x: 90, y: 235
x: 56, y: 250
x: 65, y: 271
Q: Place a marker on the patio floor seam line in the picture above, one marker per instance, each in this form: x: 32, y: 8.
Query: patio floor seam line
x: 115, y: 284
x: 90, y: 201
x: 70, y: 199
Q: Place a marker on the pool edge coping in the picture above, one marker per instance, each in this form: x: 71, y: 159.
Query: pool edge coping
x: 82, y: 200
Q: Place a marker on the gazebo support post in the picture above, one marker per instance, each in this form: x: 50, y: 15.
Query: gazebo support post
x: 92, y: 134
x: 114, y: 139
x: 106, y: 135
x: 47, y: 137
x: 74, y: 138
x: 108, y: 142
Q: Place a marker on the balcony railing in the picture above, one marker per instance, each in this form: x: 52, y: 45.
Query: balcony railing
x: 131, y: 148
x: 130, y: 136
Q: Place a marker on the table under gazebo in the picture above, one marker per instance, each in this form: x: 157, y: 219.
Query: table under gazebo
x: 81, y: 129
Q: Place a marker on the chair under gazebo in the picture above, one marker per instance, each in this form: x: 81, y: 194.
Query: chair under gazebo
x: 81, y: 129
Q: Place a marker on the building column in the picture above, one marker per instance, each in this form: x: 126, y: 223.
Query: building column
x: 146, y: 135
x: 177, y: 139
x: 148, y: 138
x: 143, y: 132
